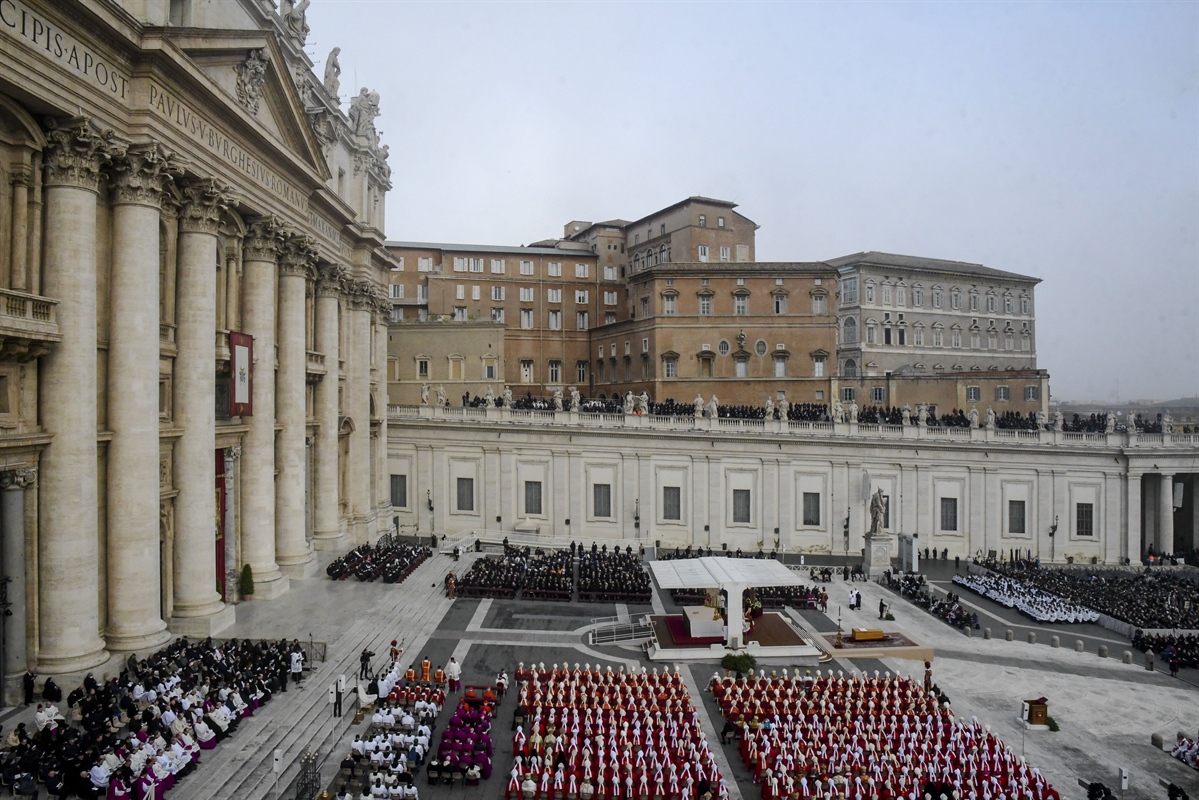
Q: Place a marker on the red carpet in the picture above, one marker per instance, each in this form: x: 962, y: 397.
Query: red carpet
x: 677, y: 626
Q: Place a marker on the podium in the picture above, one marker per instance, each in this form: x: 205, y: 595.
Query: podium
x: 1037, y: 711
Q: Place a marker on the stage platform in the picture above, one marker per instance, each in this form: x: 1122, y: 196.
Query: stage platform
x: 773, y: 637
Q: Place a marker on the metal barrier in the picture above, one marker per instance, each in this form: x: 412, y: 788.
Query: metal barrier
x: 627, y: 632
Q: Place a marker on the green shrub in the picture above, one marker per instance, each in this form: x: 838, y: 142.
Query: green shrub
x: 245, y: 586
x: 742, y: 664
x: 1052, y: 723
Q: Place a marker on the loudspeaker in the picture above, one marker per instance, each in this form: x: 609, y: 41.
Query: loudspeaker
x: 277, y: 763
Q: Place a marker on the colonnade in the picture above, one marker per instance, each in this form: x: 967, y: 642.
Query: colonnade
x: 99, y: 576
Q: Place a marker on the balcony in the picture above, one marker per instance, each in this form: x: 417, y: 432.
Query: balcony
x: 28, y: 325
x: 316, y: 365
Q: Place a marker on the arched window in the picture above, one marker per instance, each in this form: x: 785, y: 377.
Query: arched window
x: 851, y: 330
x: 662, y: 255
x: 851, y: 368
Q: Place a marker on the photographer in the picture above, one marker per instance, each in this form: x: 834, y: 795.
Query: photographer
x: 364, y: 663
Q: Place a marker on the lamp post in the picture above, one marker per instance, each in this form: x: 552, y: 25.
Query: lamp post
x: 1052, y: 531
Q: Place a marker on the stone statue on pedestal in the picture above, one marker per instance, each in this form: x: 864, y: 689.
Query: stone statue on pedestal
x: 973, y: 416
x: 441, y: 399
x: 838, y: 411
x: 575, y: 399
x: 489, y: 397
x: 558, y: 399
x: 907, y: 415
x: 507, y: 395
x: 878, y: 511
x: 424, y: 394
x: 769, y: 408
x: 991, y: 422
x: 699, y: 405
x: 714, y: 408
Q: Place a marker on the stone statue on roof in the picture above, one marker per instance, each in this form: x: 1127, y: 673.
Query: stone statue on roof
x: 333, y: 73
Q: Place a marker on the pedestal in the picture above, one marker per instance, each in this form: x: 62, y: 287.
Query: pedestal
x: 878, y: 555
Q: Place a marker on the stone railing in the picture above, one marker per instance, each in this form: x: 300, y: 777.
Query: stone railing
x: 583, y: 419
x: 316, y: 363
x: 28, y: 313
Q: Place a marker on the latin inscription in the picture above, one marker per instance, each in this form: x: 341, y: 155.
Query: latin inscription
x: 215, y: 140
x: 58, y: 45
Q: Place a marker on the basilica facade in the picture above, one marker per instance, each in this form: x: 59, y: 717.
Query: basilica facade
x: 192, y: 319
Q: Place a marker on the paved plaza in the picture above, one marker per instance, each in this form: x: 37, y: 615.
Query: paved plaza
x: 1107, y: 710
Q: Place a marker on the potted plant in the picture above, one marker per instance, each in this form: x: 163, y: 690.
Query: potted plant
x: 245, y: 585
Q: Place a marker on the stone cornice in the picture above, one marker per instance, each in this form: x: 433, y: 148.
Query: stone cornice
x: 76, y: 150
x: 139, y: 174
x: 203, y: 203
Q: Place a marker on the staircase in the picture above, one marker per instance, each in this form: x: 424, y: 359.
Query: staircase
x: 241, y: 767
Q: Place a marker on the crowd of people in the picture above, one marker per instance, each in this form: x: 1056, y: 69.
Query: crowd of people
x: 1187, y: 751
x: 137, y: 735
x: 1179, y: 651
x: 1040, y: 605
x: 904, y: 741
x: 948, y: 609
x: 586, y: 733
x: 405, y: 703
x: 536, y: 574
x: 616, y: 577
x: 393, y: 562
x: 1153, y: 598
x: 465, y: 750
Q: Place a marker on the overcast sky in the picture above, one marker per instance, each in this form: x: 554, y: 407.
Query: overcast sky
x: 1059, y: 140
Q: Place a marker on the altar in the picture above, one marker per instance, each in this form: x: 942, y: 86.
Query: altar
x: 700, y: 623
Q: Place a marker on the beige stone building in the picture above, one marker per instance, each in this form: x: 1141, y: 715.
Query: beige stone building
x: 742, y: 332
x: 457, y: 357
x: 193, y: 319
x: 545, y: 299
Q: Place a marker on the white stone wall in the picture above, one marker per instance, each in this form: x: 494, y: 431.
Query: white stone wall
x: 981, y: 478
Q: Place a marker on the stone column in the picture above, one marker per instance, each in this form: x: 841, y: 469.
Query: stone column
x: 259, y: 293
x: 22, y: 177
x: 1165, y: 515
x: 358, y: 409
x: 292, y: 552
x: 382, y: 470
x: 134, y: 568
x: 198, y: 609
x: 326, y: 527
x: 68, y: 541
x: 12, y: 567
x: 1132, y: 523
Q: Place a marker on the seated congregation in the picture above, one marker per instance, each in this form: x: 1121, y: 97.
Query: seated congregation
x: 584, y: 733
x: 535, y: 575
x: 1151, y: 598
x: 141, y: 733
x: 1040, y: 605
x: 866, y: 737
x: 390, y: 561
x: 616, y: 577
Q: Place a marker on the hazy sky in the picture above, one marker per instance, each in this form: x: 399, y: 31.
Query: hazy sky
x: 1059, y: 140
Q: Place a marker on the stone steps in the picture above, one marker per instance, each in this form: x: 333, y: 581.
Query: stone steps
x: 241, y: 767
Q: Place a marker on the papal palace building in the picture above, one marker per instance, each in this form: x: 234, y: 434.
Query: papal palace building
x: 193, y: 318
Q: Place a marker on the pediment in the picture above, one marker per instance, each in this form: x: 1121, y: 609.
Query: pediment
x: 275, y: 108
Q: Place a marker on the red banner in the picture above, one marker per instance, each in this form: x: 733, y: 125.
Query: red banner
x: 241, y: 374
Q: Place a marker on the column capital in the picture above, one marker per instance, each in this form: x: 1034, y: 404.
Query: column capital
x: 203, y: 203
x: 330, y: 280
x: 264, y: 239
x: 21, y: 175
x: 298, y: 257
x: 76, y: 149
x: 233, y: 452
x: 359, y: 294
x: 20, y: 478
x: 140, y: 173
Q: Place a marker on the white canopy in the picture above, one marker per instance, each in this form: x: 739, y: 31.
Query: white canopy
x: 704, y: 573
